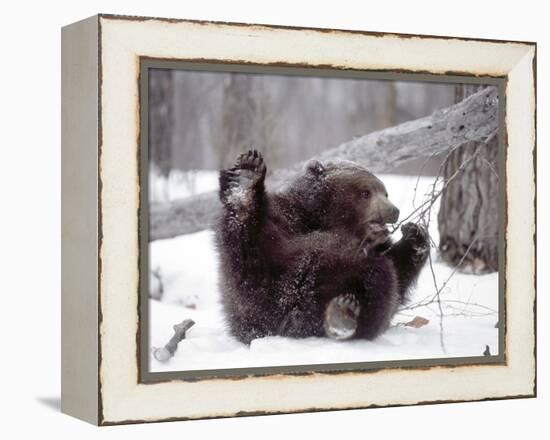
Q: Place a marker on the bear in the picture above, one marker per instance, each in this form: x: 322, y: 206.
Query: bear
x: 315, y: 259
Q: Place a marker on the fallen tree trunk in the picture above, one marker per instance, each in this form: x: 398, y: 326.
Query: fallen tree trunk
x: 473, y: 119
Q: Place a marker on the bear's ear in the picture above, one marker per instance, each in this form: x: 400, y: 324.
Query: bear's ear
x: 315, y: 167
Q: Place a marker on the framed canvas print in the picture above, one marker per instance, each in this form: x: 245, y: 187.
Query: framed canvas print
x: 261, y: 219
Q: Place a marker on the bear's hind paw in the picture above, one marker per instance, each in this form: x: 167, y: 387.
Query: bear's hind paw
x: 341, y: 316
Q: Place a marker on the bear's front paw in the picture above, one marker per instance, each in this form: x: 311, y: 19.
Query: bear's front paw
x: 249, y: 170
x: 341, y: 316
x: 417, y: 236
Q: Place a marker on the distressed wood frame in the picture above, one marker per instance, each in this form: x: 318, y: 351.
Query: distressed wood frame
x: 101, y: 203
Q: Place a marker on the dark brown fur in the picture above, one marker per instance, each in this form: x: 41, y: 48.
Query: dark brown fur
x: 285, y: 256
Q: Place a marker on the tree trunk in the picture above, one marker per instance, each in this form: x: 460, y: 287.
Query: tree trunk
x: 474, y: 118
x: 468, y: 216
x: 386, y: 112
x: 161, y: 119
x: 239, y: 111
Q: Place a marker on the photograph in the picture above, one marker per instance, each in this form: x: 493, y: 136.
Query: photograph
x: 311, y: 220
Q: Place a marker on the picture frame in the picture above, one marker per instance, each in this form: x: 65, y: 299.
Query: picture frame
x: 105, y: 223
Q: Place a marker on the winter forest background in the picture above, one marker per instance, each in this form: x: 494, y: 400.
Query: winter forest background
x: 433, y: 144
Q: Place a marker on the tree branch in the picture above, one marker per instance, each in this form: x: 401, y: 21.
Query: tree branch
x: 473, y: 119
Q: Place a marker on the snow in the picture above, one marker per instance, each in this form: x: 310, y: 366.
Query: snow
x: 237, y: 196
x: 179, y: 184
x: 188, y: 268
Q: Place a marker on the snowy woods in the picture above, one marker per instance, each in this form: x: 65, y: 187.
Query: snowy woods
x: 435, y: 147
x: 474, y: 119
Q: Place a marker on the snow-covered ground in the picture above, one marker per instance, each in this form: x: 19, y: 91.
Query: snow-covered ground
x: 188, y: 268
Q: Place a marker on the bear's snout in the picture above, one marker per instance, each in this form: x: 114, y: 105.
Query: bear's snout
x: 383, y: 211
x: 391, y: 215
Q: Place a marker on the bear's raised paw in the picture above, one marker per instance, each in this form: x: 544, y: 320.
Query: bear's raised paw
x: 249, y: 170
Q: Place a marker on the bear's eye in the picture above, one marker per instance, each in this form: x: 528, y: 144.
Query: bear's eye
x: 366, y: 194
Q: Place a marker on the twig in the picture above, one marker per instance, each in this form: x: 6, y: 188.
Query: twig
x: 426, y: 206
x: 486, y: 161
x: 481, y: 306
x: 166, y: 352
x: 420, y: 175
x: 422, y: 213
x: 456, y: 308
x: 468, y: 249
x: 438, y: 291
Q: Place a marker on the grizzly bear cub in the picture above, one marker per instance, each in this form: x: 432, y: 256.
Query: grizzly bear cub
x: 316, y: 259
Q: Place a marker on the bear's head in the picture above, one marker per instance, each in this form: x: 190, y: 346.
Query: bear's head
x: 346, y: 196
